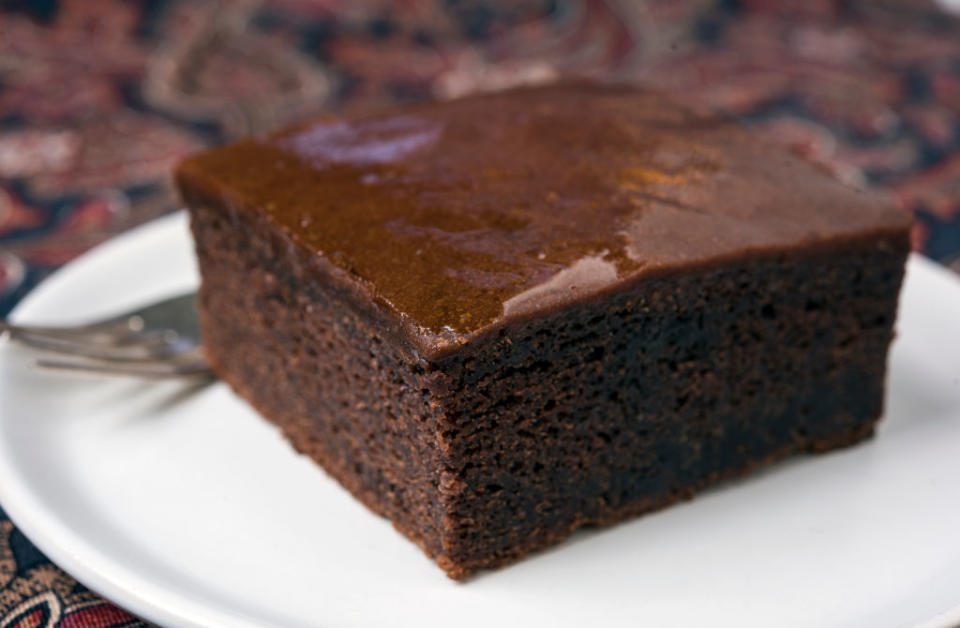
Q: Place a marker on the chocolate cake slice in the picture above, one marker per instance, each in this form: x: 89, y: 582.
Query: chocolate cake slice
x: 497, y: 319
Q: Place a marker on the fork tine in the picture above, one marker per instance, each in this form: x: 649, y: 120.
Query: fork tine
x: 143, y: 345
x: 70, y: 339
x: 190, y: 362
x: 192, y: 369
x: 104, y: 329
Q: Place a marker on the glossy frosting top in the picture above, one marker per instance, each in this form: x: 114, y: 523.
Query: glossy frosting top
x: 460, y: 214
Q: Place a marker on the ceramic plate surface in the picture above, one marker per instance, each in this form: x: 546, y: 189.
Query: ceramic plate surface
x: 188, y: 509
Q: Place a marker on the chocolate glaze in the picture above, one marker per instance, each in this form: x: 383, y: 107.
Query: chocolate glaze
x: 459, y: 216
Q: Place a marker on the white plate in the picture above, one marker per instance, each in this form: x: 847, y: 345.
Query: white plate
x: 187, y: 508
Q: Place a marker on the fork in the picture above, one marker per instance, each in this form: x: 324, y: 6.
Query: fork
x: 158, y: 341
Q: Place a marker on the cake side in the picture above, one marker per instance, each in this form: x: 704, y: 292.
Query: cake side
x: 295, y: 348
x: 607, y: 410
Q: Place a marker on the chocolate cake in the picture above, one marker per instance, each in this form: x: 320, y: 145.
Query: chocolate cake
x: 497, y: 319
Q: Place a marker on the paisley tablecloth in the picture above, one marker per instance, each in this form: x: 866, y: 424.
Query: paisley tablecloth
x: 99, y: 98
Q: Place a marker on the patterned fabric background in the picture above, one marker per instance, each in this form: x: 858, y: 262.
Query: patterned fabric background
x: 99, y: 98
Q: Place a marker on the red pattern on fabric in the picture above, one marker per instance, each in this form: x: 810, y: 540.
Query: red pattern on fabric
x: 101, y: 615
